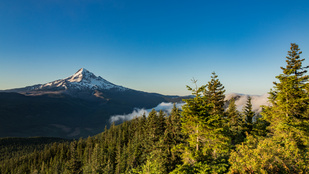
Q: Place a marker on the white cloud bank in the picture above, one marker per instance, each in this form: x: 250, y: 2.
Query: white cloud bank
x: 256, y: 100
x: 166, y: 107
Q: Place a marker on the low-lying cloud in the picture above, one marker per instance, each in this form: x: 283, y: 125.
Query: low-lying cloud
x: 166, y: 107
x: 256, y: 100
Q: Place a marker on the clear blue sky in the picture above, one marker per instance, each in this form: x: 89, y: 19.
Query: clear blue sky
x: 154, y: 46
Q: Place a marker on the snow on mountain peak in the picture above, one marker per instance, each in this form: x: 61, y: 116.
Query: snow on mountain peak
x: 80, y: 75
x: 82, y: 79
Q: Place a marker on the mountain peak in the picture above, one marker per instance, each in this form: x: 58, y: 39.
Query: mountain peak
x: 81, y: 80
x: 82, y: 71
x: 80, y: 75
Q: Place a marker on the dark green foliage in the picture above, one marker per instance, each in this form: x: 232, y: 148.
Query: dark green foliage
x: 214, y: 94
x: 235, y: 123
x: 172, y: 137
x: 153, y: 127
x: 248, y: 115
x: 12, y: 147
x: 74, y: 164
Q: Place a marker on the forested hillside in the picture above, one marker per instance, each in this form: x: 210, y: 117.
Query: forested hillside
x: 202, y: 138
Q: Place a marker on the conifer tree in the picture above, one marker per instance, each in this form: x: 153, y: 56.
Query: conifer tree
x: 214, y: 93
x: 172, y: 137
x: 206, y: 146
x: 286, y: 148
x: 152, y: 126
x: 173, y: 133
x: 289, y: 98
x: 161, y: 123
x: 289, y: 121
x: 74, y: 165
x: 195, y: 112
x: 248, y: 114
x: 235, y: 123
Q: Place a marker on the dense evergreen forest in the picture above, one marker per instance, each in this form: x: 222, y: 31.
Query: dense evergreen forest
x: 203, y: 137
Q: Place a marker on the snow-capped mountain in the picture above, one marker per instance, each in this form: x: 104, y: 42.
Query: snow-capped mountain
x: 81, y: 80
x: 85, y: 85
x: 73, y: 107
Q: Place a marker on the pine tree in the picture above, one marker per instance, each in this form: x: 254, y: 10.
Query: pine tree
x: 235, y: 123
x: 152, y: 126
x: 214, y: 93
x: 206, y: 146
x: 172, y: 137
x: 286, y: 148
x: 288, y: 115
x: 161, y: 123
x: 195, y: 112
x: 248, y: 114
x: 173, y: 133
x: 289, y: 98
x: 74, y: 165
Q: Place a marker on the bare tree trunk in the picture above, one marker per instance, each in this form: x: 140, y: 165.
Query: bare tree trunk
x: 197, y: 138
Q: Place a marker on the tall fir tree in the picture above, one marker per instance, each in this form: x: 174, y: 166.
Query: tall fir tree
x: 206, y: 146
x: 75, y: 164
x: 172, y: 137
x: 152, y: 126
x: 235, y: 123
x: 289, y: 98
x: 173, y: 133
x: 288, y: 115
x: 195, y: 112
x: 286, y: 148
x: 248, y: 115
x: 214, y: 93
x: 161, y: 123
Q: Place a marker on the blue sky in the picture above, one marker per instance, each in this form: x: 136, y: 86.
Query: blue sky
x: 154, y: 46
